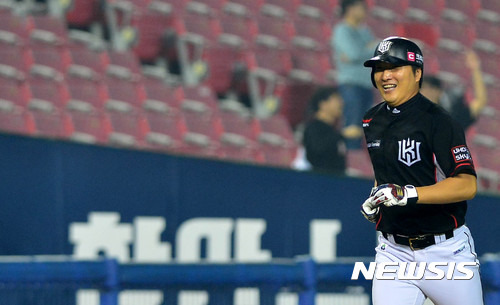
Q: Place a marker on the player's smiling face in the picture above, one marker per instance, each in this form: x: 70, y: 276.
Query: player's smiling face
x: 397, y: 84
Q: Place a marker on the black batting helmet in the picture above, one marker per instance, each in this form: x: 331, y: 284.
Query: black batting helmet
x: 398, y: 51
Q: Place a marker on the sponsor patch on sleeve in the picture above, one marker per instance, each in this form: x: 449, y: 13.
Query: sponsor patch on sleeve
x: 461, y: 153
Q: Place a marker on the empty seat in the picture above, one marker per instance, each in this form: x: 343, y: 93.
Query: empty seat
x: 488, y: 125
x: 47, y: 95
x: 290, y: 6
x: 397, y: 6
x: 488, y: 30
x: 274, y: 21
x: 425, y: 32
x: 201, y: 20
x: 82, y: 13
x: 85, y: 95
x: 50, y: 61
x: 15, y: 61
x: 124, y: 95
x: 425, y: 10
x: 252, y: 6
x: 13, y: 30
x: 327, y: 7
x: 13, y: 94
x: 123, y: 64
x: 47, y: 29
x: 217, y: 5
x: 277, y: 155
x: 309, y: 22
x: 237, y: 128
x: 87, y: 63
x: 384, y: 23
x: 468, y: 8
x: 358, y: 164
x: 314, y: 60
x: 202, y: 135
x: 199, y: 99
x: 275, y: 130
x: 272, y: 55
x: 19, y: 121
x: 456, y: 28
x: 491, y: 5
x: 90, y: 127
x: 162, y: 97
x: 237, y: 21
x: 57, y: 124
x: 166, y: 132
x: 451, y: 66
x: 128, y: 129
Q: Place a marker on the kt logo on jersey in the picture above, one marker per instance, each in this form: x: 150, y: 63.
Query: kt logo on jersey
x: 409, y: 151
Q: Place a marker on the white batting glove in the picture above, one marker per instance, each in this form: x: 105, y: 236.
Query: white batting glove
x: 369, y: 209
x: 393, y: 194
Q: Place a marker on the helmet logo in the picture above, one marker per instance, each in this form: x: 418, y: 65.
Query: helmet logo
x: 410, y: 56
x: 384, y: 46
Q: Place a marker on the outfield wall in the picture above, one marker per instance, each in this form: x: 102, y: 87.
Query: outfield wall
x: 86, y: 201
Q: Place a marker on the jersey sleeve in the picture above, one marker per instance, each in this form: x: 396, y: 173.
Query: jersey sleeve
x: 452, y: 155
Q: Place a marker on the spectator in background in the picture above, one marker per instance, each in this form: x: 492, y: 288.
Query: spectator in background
x: 454, y: 99
x: 352, y: 42
x: 323, y: 142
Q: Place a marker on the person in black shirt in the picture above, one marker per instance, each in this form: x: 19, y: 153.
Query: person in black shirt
x: 424, y: 175
x: 323, y: 143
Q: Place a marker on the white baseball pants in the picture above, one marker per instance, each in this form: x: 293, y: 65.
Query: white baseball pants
x: 459, y: 248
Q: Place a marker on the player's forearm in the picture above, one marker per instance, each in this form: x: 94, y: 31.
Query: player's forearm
x: 450, y: 190
x: 480, y: 93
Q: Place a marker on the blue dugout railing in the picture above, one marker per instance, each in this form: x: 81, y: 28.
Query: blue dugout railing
x: 303, y: 276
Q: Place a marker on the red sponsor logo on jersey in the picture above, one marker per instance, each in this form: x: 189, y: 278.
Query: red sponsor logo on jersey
x: 461, y: 154
x: 410, y: 56
x: 366, y: 122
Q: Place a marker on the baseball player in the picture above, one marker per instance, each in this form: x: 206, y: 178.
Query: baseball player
x: 424, y: 174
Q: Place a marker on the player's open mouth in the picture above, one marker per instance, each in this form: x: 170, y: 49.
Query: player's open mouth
x: 389, y: 87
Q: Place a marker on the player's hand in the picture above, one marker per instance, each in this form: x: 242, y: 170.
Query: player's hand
x: 393, y: 194
x: 369, y: 209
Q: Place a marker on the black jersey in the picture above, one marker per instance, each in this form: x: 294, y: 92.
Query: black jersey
x: 417, y: 143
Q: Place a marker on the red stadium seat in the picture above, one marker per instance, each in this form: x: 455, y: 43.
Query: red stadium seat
x: 15, y: 61
x: 252, y: 6
x: 425, y: 10
x: 166, y: 132
x: 85, y: 95
x: 50, y: 61
x: 14, y: 30
x: 201, y: 20
x: 491, y: 5
x: 19, y: 121
x: 47, y: 29
x: 202, y: 135
x: 425, y: 32
x: 199, y: 100
x: 82, y: 13
x: 358, y: 164
x: 488, y: 30
x: 275, y: 130
x: 274, y: 21
x: 86, y: 62
x: 236, y: 20
x: 48, y: 95
x: 309, y: 22
x: 468, y: 8
x: 327, y: 7
x: 13, y: 94
x: 384, y: 23
x: 457, y: 29
x: 124, y: 64
x: 162, y: 97
x: 399, y: 7
x: 311, y: 58
x: 90, y: 127
x: 57, y: 124
x: 124, y: 95
x: 290, y: 6
x: 128, y: 129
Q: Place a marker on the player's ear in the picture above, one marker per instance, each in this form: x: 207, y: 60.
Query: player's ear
x: 418, y: 75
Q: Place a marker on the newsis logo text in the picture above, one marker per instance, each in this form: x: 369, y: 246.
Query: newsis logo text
x: 414, y: 270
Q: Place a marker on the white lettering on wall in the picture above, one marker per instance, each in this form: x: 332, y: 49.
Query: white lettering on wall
x: 323, y: 239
